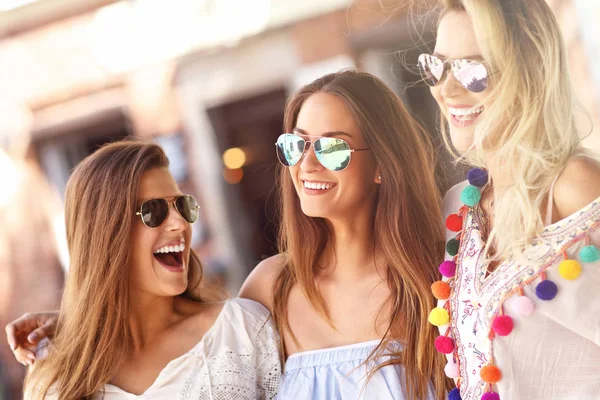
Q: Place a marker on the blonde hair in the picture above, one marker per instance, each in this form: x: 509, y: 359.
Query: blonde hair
x: 529, y: 123
x: 93, y: 336
x: 407, y: 226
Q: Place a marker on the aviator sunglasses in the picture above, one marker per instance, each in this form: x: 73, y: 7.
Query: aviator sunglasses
x: 333, y: 153
x: 155, y: 211
x: 472, y: 75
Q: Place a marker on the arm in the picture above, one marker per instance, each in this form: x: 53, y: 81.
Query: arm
x: 24, y: 334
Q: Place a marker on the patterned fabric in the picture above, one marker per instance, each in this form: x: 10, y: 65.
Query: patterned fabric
x: 555, y: 352
x: 238, y: 359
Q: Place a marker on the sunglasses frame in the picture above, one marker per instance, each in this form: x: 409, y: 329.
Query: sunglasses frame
x: 308, y: 143
x: 450, y: 65
x: 169, y: 203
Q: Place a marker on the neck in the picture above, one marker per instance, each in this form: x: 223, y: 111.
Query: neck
x: 498, y: 173
x: 149, y: 317
x: 351, y: 253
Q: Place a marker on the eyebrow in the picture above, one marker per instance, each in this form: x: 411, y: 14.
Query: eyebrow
x: 326, y: 134
x: 471, y: 57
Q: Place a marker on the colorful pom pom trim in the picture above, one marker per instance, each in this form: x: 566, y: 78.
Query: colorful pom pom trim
x: 502, y: 325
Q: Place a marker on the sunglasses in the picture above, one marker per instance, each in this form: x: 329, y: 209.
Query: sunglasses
x: 333, y: 153
x: 472, y: 75
x: 155, y: 211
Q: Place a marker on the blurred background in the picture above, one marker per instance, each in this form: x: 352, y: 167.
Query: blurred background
x: 208, y: 80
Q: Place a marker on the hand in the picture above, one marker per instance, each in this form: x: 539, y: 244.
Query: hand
x: 25, y: 333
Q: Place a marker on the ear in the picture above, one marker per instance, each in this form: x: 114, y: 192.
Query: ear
x: 377, y: 178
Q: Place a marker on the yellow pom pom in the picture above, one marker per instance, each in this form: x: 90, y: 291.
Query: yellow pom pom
x: 569, y: 269
x: 439, y: 316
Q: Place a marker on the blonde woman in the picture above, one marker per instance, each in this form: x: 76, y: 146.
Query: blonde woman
x: 519, y: 309
x: 132, y: 320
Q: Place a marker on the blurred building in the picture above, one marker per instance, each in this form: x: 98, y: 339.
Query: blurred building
x: 201, y: 78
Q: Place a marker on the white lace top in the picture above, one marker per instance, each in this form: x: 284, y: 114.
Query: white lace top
x: 553, y: 353
x: 237, y: 359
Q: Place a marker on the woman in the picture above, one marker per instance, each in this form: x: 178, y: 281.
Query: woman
x: 359, y: 242
x: 518, y: 310
x: 132, y: 321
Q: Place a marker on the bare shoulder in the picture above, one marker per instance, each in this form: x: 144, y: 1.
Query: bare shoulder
x: 577, y: 186
x: 259, y: 284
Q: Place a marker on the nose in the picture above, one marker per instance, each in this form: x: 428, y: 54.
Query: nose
x: 450, y: 86
x: 174, y: 221
x: 309, y: 162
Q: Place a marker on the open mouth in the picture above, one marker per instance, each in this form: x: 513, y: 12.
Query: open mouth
x: 170, y: 256
x: 465, y: 115
x: 317, y: 187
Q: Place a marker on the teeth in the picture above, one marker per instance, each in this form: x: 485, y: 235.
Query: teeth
x: 317, y: 186
x: 465, y: 113
x: 172, y: 249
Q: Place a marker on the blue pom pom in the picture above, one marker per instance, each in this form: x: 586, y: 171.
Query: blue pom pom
x: 589, y: 254
x: 546, y: 290
x: 454, y: 394
x: 477, y: 177
x: 452, y: 247
x: 470, y: 195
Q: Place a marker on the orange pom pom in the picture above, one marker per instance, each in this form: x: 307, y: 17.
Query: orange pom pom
x: 454, y: 222
x: 441, y: 290
x: 490, y: 374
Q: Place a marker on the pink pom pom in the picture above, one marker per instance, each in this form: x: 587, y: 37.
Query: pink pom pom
x: 523, y: 306
x: 444, y: 344
x: 451, y: 370
x: 448, y: 269
x: 503, y: 325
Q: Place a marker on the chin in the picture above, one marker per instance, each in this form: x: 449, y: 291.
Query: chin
x: 461, y: 141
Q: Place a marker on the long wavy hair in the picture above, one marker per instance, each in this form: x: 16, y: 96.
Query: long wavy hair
x: 407, y: 227
x: 529, y: 122
x: 93, y: 336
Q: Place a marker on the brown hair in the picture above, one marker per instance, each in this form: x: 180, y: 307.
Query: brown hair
x: 408, y: 225
x: 93, y: 334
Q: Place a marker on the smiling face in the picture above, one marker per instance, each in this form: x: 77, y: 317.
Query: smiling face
x: 463, y: 109
x: 160, y: 256
x: 324, y: 193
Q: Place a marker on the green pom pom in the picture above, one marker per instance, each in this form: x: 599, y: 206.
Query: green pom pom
x: 452, y: 247
x: 470, y: 195
x: 589, y: 254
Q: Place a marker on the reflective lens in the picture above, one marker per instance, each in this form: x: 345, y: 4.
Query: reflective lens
x: 472, y: 75
x: 187, y: 207
x: 290, y: 149
x: 431, y: 69
x: 155, y: 211
x: 332, y: 153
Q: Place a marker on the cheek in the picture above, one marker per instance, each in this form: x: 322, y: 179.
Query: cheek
x: 436, y: 93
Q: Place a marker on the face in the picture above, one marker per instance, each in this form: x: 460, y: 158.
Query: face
x: 322, y: 192
x: 158, y: 266
x: 462, y: 108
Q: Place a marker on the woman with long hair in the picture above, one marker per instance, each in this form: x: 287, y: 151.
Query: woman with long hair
x: 519, y: 304
x: 133, y: 320
x: 360, y: 237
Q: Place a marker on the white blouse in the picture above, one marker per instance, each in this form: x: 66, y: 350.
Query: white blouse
x: 553, y: 353
x: 237, y: 359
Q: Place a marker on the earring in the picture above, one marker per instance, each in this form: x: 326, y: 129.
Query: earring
x: 379, y: 177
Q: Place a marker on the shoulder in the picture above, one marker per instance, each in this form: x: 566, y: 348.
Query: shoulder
x: 577, y: 186
x: 259, y: 284
x: 452, y: 198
